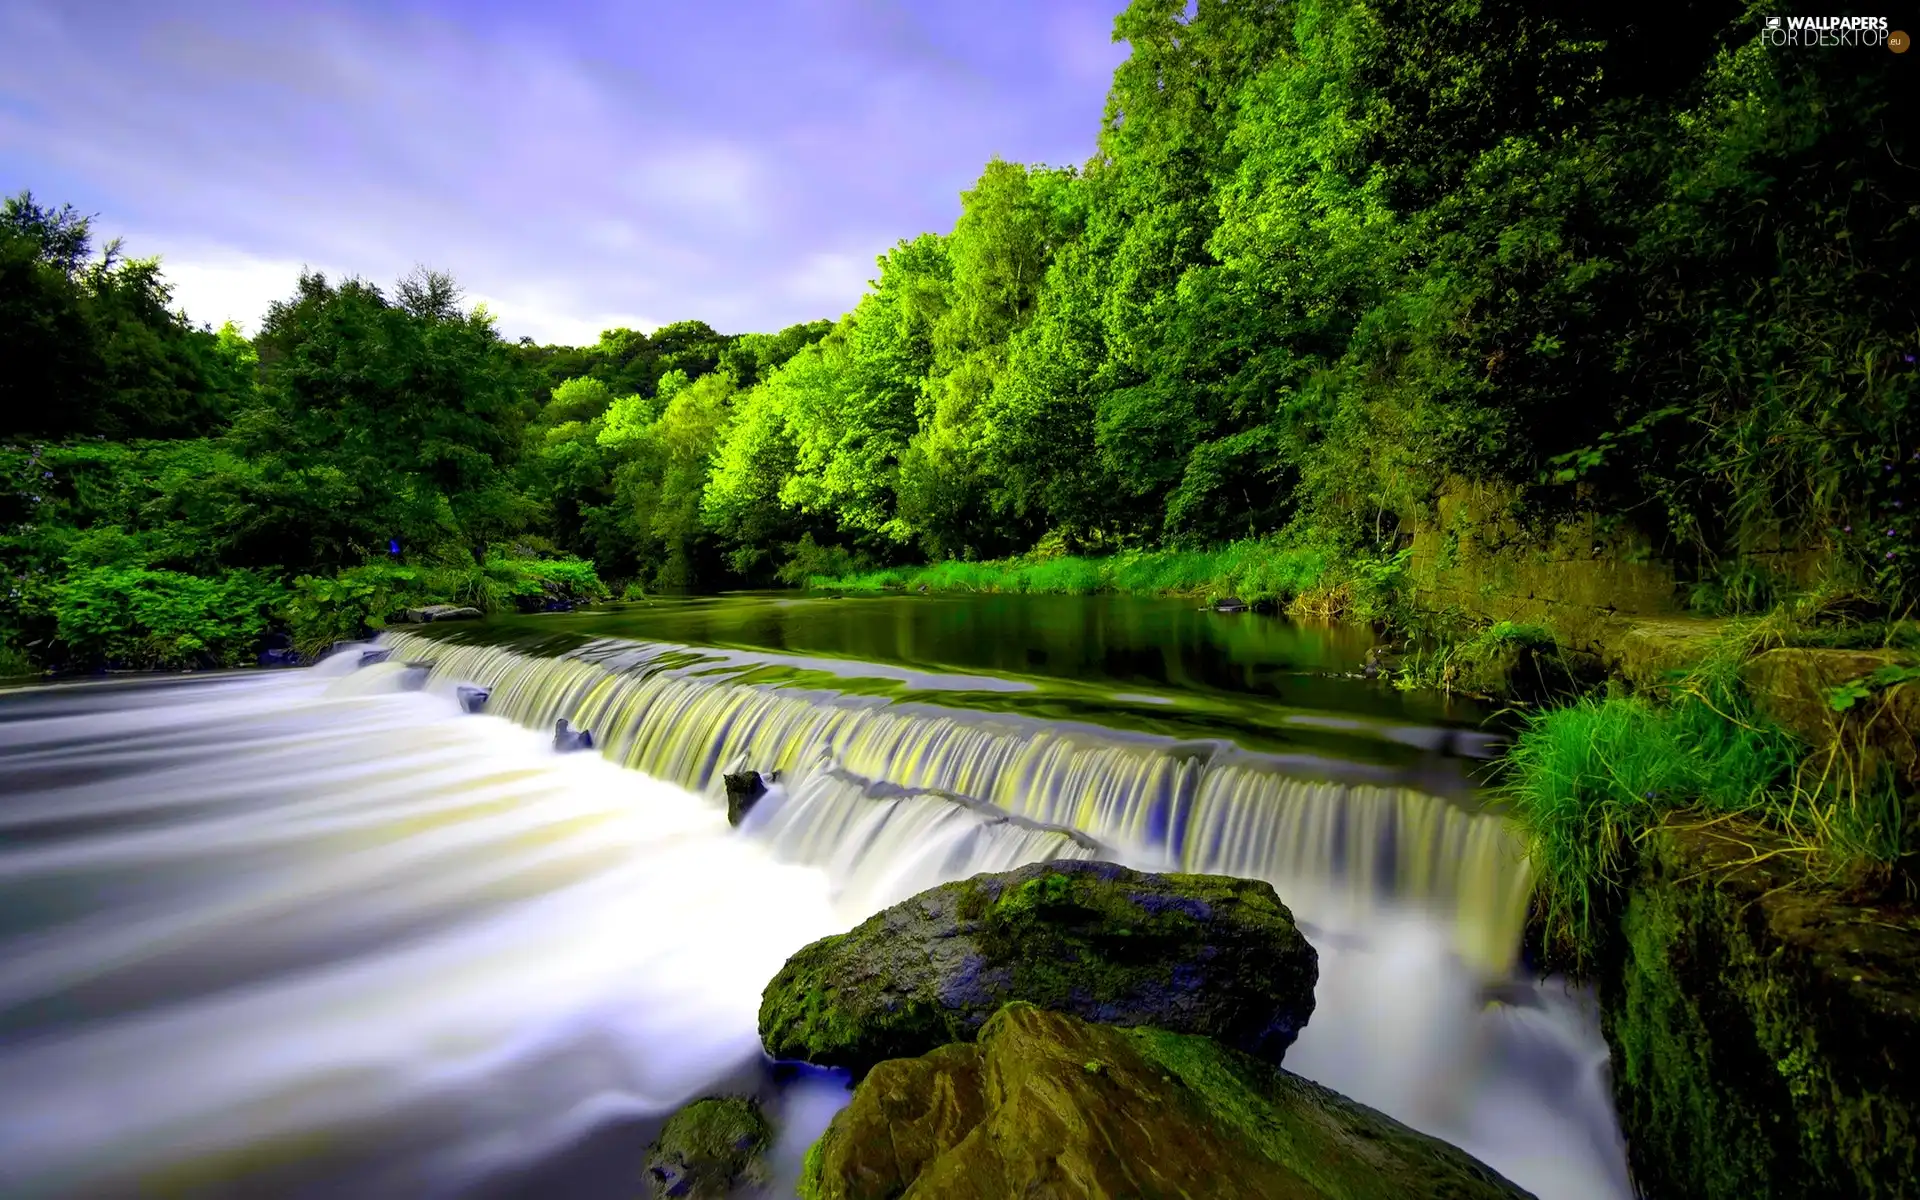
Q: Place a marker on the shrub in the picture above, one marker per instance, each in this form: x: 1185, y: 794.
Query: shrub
x: 138, y: 617
x: 358, y: 600
x: 324, y: 609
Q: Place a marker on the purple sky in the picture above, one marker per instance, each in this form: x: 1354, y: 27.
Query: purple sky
x: 576, y: 165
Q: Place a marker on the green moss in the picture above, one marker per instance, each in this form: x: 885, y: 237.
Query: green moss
x: 709, y: 1148
x: 810, y: 1187
x: 1137, y: 1111
x: 1094, y: 939
x: 1759, y: 1030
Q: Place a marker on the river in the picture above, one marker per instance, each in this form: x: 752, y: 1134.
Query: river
x: 321, y: 932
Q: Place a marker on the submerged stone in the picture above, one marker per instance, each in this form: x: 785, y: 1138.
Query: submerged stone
x: 472, y: 699
x: 566, y: 738
x: 1048, y: 1105
x: 709, y: 1149
x: 1194, y: 953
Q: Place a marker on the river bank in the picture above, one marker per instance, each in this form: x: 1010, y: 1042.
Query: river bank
x: 1715, y: 789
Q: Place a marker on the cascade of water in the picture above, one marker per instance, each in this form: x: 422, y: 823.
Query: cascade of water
x: 881, y: 849
x: 1335, y: 848
x: 321, y: 933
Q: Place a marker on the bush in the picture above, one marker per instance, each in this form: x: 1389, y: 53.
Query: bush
x: 811, y: 564
x: 324, y: 609
x: 363, y: 599
x: 137, y: 617
x: 572, y: 579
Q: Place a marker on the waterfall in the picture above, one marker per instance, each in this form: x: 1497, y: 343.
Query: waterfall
x: 1336, y: 849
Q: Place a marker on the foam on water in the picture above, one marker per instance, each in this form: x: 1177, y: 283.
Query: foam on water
x: 322, y: 932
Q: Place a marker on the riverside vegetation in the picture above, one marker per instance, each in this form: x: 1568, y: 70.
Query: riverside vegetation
x: 1633, y: 273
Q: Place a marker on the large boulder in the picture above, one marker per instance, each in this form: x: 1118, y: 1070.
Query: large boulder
x: 1194, y: 953
x: 709, y: 1149
x: 1048, y: 1105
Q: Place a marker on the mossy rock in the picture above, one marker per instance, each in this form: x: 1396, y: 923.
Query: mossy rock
x: 1195, y: 953
x: 1048, y: 1105
x: 709, y: 1149
x: 1650, y: 652
x: 1794, y: 686
x: 1762, y: 1028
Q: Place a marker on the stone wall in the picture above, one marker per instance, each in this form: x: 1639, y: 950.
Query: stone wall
x: 1579, y: 581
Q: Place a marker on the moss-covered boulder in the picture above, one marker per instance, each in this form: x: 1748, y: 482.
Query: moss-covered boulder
x: 1763, y: 1027
x: 1048, y: 1105
x: 709, y: 1149
x: 1194, y: 953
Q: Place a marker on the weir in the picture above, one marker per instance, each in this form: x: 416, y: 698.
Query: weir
x: 322, y: 932
x: 1336, y: 849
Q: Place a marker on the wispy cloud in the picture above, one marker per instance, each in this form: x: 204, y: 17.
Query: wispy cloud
x: 738, y: 163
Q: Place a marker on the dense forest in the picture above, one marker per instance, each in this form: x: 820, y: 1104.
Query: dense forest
x: 1326, y: 256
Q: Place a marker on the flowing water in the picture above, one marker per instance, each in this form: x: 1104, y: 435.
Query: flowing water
x: 322, y: 933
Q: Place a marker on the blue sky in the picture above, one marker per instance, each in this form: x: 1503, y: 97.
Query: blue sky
x: 577, y: 165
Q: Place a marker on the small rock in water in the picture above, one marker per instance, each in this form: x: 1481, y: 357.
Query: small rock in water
x: 709, y: 1150
x: 472, y: 699
x: 1232, y: 604
x: 566, y: 738
x: 280, y: 657
x: 744, y: 789
x: 442, y: 612
x: 370, y: 657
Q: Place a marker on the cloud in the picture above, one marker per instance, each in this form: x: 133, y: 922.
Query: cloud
x: 827, y: 280
x: 740, y: 163
x: 216, y: 285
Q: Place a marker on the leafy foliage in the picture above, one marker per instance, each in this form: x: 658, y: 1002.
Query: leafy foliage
x: 1648, y: 269
x: 135, y: 617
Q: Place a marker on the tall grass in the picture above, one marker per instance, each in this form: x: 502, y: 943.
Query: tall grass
x: 1255, y: 571
x: 1587, y: 780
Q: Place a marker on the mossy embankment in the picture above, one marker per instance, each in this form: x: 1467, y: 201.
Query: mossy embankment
x: 1723, y: 837
x: 1761, y: 1022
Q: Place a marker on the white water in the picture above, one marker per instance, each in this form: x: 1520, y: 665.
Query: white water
x: 359, y: 943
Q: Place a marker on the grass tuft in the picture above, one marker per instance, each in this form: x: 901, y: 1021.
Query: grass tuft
x: 1587, y: 779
